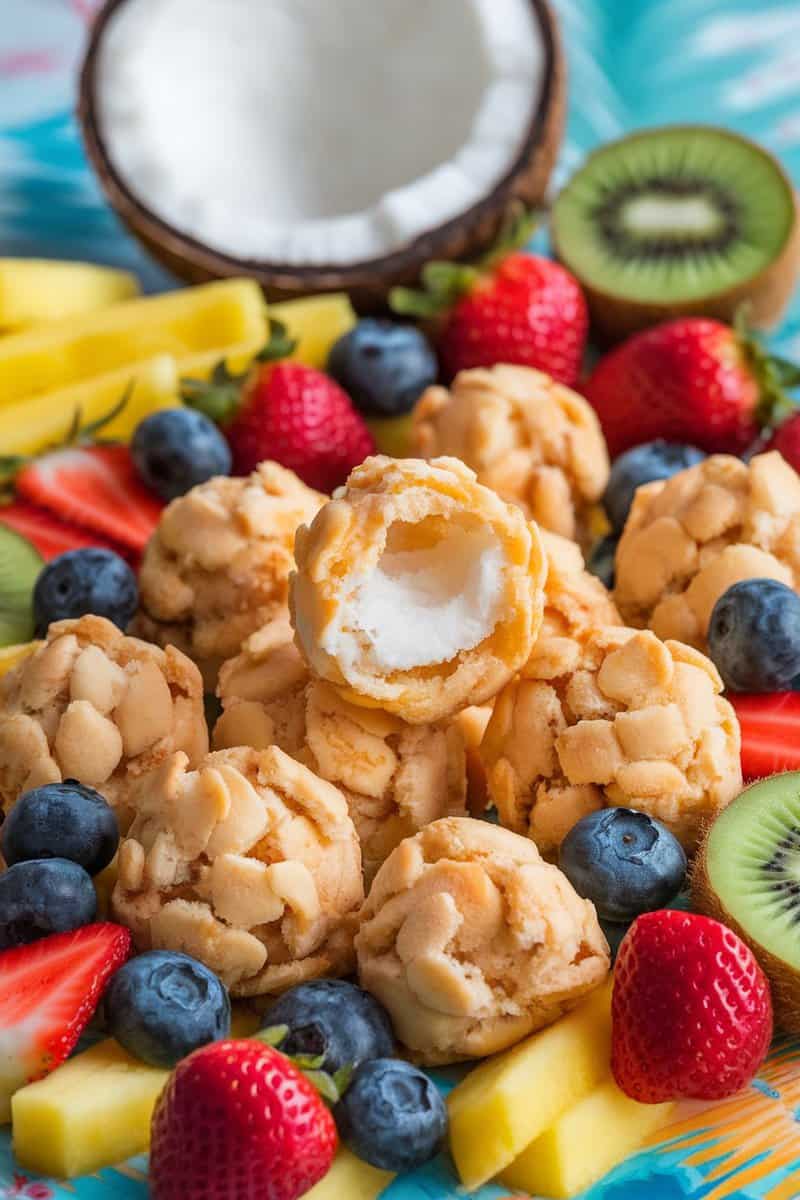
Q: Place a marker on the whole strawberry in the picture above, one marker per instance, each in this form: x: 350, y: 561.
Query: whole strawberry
x: 691, y: 1010
x: 510, y: 308
x: 693, y: 381
x: 285, y: 411
x: 238, y: 1121
x: 301, y: 419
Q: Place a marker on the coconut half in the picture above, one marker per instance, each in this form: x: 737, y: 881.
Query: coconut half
x: 321, y: 145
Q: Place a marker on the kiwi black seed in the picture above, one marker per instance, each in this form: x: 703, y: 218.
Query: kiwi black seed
x: 747, y: 874
x: 686, y: 219
x: 20, y: 563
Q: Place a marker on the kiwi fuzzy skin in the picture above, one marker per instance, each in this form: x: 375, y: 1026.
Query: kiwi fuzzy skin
x: 784, y: 981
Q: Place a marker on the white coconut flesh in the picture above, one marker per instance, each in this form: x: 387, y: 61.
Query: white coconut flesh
x: 316, y: 131
x: 421, y: 607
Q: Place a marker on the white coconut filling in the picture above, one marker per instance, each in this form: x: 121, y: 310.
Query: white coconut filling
x: 419, y: 608
x: 316, y: 131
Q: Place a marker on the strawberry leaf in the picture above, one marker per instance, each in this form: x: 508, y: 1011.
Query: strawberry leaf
x: 280, y: 344
x: 774, y: 375
x: 273, y: 1035
x: 87, y: 433
x: 325, y: 1085
x: 219, y: 396
x: 342, y: 1077
x: 443, y: 283
x: 518, y: 228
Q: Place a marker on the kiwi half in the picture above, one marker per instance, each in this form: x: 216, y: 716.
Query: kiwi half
x: 683, y: 220
x: 747, y: 875
x: 20, y: 564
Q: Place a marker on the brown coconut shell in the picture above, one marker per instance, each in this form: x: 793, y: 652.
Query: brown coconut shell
x: 369, y: 281
x: 784, y: 981
x: 767, y: 294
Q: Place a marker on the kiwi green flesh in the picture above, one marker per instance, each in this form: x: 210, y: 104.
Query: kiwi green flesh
x: 674, y: 215
x: 751, y: 862
x: 20, y: 564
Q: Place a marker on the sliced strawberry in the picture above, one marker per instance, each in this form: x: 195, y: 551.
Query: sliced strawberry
x: 50, y: 535
x: 95, y: 487
x: 48, y: 992
x: 770, y: 727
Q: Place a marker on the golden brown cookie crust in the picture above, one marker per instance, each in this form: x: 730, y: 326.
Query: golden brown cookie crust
x: 532, y: 440
x: 472, y: 941
x: 689, y: 538
x: 395, y: 777
x: 94, y: 705
x: 412, y: 511
x: 576, y: 603
x: 249, y: 863
x: 627, y: 721
x: 217, y: 567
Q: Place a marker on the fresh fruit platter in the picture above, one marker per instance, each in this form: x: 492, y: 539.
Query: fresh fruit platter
x: 399, y: 632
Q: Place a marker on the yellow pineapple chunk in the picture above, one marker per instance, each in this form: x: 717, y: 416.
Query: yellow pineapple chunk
x: 10, y: 656
x: 350, y: 1179
x: 316, y: 322
x: 392, y: 434
x: 36, y: 290
x: 209, y: 319
x: 38, y: 422
x: 585, y: 1142
x: 497, y: 1111
x: 92, y: 1112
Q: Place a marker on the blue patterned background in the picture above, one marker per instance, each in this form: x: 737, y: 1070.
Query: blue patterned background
x: 632, y: 63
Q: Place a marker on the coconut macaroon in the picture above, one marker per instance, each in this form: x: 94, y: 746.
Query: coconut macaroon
x: 625, y: 720
x: 249, y: 863
x: 218, y: 564
x: 576, y: 603
x: 689, y: 538
x: 471, y: 941
x: 395, y: 777
x: 533, y: 441
x: 417, y: 590
x: 94, y: 705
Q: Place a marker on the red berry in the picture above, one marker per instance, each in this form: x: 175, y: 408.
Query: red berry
x: 302, y: 419
x: 770, y: 726
x: 49, y: 990
x: 528, y: 311
x: 238, y: 1121
x: 786, y: 439
x: 95, y: 488
x: 691, y: 1010
x: 694, y: 381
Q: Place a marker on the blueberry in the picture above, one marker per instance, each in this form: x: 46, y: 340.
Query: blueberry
x: 177, y: 448
x: 47, y: 895
x: 161, y: 1006
x: 392, y: 1115
x: 383, y: 366
x: 333, y: 1018
x: 624, y: 861
x: 601, y: 559
x: 754, y: 636
x: 85, y: 581
x: 643, y: 464
x: 61, y: 820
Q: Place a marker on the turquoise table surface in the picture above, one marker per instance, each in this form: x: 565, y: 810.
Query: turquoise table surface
x: 632, y: 62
